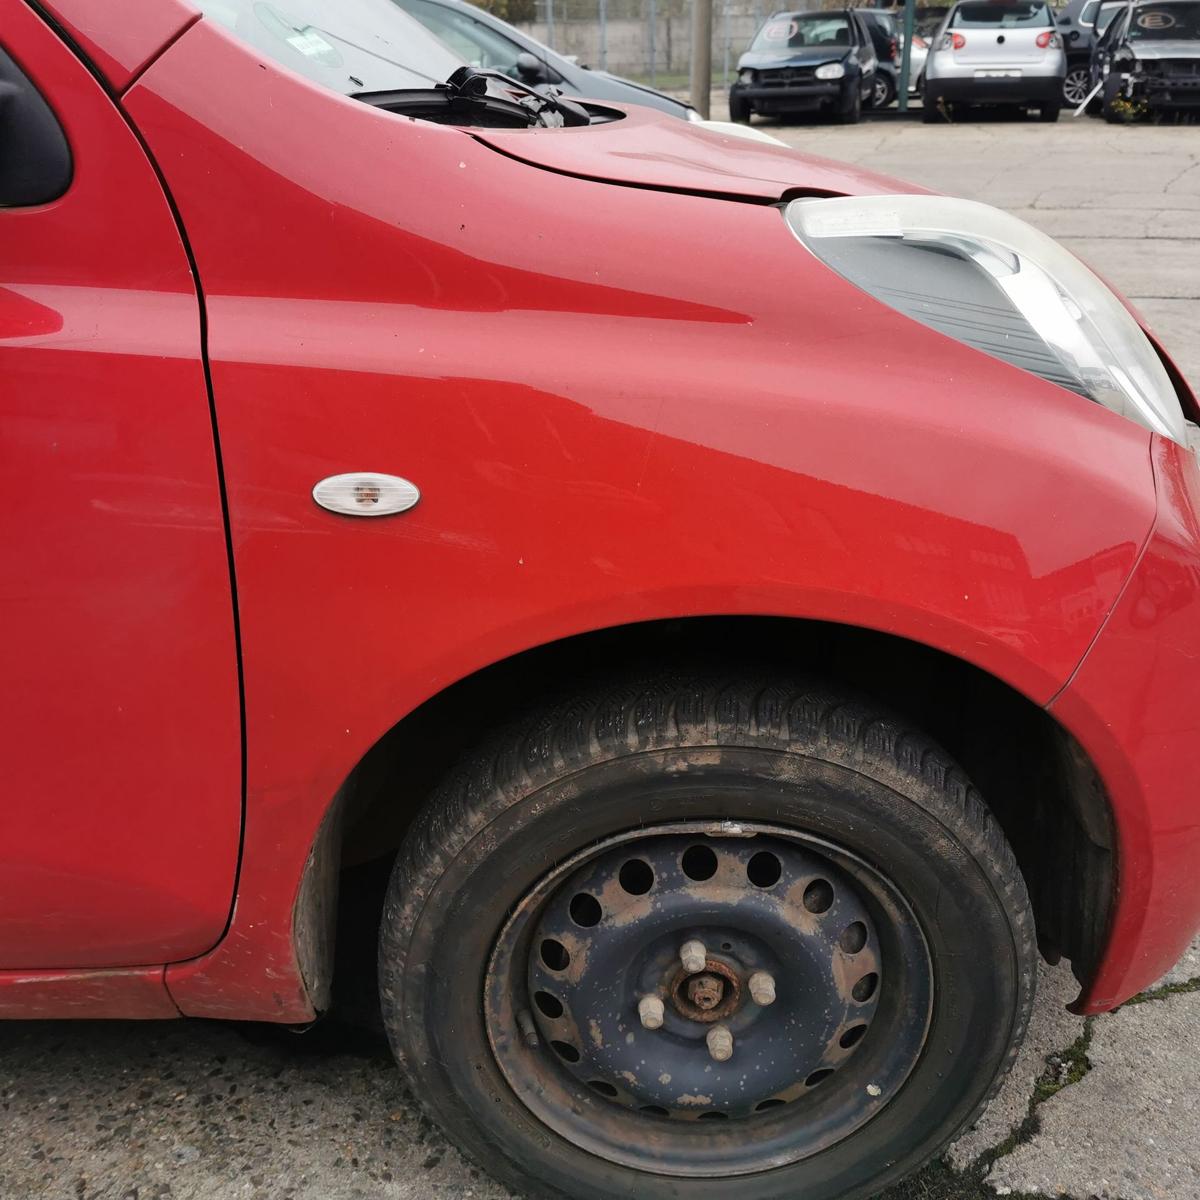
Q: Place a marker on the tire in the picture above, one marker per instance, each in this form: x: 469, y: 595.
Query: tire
x: 808, y: 770
x: 739, y: 110
x: 1111, y: 94
x: 1048, y: 113
x: 852, y: 114
x: 883, y: 91
x: 1076, y: 85
x: 929, y: 108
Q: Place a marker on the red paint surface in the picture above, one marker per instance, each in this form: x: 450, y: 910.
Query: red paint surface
x: 620, y: 403
x: 139, y: 994
x: 122, y: 36
x: 1134, y: 706
x: 119, y: 714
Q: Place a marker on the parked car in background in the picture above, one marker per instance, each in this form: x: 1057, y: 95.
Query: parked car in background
x: 1148, y: 60
x: 742, y: 608
x: 1005, y: 52
x: 885, y: 37
x: 1080, y: 23
x: 487, y: 42
x: 806, y: 62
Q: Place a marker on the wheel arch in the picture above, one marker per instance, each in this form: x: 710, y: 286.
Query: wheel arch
x: 1039, y: 782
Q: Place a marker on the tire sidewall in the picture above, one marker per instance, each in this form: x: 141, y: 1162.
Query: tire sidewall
x: 980, y: 985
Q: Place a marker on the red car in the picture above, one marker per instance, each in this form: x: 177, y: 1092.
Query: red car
x: 756, y: 605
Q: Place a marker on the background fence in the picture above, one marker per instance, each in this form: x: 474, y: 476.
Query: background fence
x: 644, y: 39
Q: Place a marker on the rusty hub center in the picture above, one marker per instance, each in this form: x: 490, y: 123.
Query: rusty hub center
x: 707, y: 995
x: 706, y: 991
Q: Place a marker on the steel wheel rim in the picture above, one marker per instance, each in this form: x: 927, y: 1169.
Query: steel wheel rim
x: 1075, y: 86
x: 881, y: 91
x: 807, y: 1069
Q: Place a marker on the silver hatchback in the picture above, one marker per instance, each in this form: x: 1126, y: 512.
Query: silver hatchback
x: 995, y: 52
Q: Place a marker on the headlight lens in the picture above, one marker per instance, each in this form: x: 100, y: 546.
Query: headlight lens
x: 745, y: 77
x: 991, y: 281
x: 831, y: 71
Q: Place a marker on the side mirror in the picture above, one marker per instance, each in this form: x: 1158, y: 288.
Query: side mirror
x: 531, y: 68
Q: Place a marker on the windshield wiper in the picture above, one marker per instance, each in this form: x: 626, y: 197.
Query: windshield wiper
x: 482, y: 98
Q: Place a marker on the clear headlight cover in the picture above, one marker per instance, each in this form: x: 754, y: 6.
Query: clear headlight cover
x: 994, y: 282
x: 831, y: 71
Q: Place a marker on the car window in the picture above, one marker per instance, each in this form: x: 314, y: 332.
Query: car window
x: 1088, y: 13
x: 1001, y: 16
x: 352, y: 46
x: 796, y: 30
x: 1153, y: 22
x: 478, y: 44
x: 1104, y: 18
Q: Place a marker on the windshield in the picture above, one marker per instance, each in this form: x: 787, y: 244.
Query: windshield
x: 1105, y: 17
x: 478, y: 44
x: 1152, y: 22
x: 1001, y: 16
x: 796, y: 30
x: 352, y: 46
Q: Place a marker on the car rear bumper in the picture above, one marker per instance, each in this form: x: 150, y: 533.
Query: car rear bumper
x: 1134, y: 706
x: 791, y: 97
x: 1025, y: 89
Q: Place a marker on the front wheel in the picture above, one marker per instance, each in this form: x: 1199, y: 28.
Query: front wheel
x: 739, y: 110
x: 852, y: 113
x: 1049, y: 113
x: 692, y: 938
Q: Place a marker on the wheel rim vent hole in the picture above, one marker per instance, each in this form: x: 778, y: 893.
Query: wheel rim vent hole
x: 603, y: 1088
x: 854, y: 938
x: 765, y: 1105
x: 864, y: 989
x: 653, y: 1110
x: 585, y: 910
x: 554, y: 955
x: 566, y: 1051
x: 818, y: 896
x: 550, y: 1006
x: 637, y: 877
x: 714, y: 1116
x: 764, y: 869
x: 699, y: 863
x: 818, y: 1077
x: 852, y: 1036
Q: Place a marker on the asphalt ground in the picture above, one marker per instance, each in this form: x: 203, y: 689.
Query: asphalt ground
x: 1098, y: 1110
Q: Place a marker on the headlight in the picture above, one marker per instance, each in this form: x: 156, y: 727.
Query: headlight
x: 831, y: 71
x: 995, y: 283
x: 745, y: 77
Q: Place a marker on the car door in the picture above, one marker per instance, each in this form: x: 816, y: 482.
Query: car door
x: 1115, y: 21
x: 120, y: 737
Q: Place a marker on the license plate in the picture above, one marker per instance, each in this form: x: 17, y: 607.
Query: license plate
x: 997, y: 74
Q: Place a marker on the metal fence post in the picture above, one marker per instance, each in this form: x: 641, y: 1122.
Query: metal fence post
x: 906, y: 57
x: 701, y: 55
x: 550, y: 23
x: 653, y: 37
x: 604, y: 35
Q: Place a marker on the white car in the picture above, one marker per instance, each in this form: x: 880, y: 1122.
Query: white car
x: 995, y: 52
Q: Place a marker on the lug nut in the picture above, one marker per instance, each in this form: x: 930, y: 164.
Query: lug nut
x: 720, y: 1043
x: 651, y: 1012
x: 693, y: 956
x: 762, y: 988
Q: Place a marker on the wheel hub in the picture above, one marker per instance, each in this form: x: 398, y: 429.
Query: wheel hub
x: 704, y: 926
x: 708, y: 972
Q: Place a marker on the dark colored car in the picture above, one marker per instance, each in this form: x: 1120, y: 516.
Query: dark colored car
x: 485, y: 41
x: 807, y: 62
x: 1148, y: 61
x: 1081, y: 23
x: 885, y: 37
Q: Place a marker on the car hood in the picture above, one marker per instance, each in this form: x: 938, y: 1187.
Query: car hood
x: 649, y: 149
x: 807, y: 56
x: 1176, y: 48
